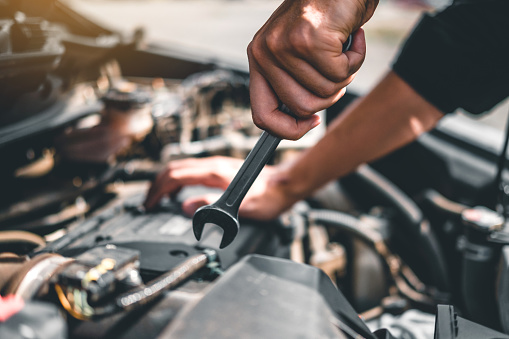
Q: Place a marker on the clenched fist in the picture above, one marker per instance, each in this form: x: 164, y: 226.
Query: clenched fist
x: 296, y: 58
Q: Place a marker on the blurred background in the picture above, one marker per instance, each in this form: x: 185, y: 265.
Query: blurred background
x: 222, y: 29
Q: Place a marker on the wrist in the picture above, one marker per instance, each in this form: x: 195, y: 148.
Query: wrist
x: 291, y: 184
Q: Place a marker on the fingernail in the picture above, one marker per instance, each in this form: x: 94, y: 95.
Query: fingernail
x: 316, y: 122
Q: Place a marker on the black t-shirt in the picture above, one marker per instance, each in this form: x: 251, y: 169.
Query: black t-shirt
x: 459, y: 57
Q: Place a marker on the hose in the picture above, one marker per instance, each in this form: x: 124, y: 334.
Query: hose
x: 366, y: 179
x: 443, y: 204
x: 404, y: 278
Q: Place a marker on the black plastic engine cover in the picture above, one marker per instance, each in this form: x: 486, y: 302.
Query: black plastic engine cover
x: 449, y: 326
x: 164, y: 237
x: 263, y: 297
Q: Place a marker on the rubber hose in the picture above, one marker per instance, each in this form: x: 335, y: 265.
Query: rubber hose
x: 345, y: 222
x: 366, y: 179
x: 355, y: 227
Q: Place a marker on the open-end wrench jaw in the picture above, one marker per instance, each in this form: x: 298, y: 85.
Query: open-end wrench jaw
x: 224, y: 212
x: 217, y: 216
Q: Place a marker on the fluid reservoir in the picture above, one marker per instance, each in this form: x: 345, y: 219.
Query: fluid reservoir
x: 479, y: 264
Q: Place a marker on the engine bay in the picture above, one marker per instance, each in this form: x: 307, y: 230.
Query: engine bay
x: 410, y: 246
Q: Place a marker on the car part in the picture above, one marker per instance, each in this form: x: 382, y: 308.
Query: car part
x: 273, y: 293
x: 92, y: 202
x: 449, y: 325
x: 502, y: 289
x: 80, y: 289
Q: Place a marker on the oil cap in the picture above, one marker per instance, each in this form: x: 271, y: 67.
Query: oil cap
x: 482, y: 219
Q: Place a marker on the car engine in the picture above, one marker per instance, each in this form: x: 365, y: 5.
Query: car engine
x: 406, y: 247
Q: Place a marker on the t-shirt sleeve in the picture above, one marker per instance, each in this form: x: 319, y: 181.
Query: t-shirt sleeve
x: 459, y: 57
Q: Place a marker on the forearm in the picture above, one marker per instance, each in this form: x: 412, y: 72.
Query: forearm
x: 387, y: 118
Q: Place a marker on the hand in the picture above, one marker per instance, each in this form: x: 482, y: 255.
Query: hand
x: 264, y: 201
x: 296, y: 58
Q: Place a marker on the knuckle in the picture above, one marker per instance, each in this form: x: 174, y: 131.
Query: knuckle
x: 357, y: 63
x: 340, y: 75
x: 255, y: 50
x: 259, y: 121
x: 305, y: 109
x: 328, y: 90
x: 215, y: 177
x: 273, y: 42
x: 249, y: 49
x: 299, y: 41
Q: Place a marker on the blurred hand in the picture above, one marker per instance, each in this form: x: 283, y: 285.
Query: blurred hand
x: 296, y: 58
x: 264, y: 201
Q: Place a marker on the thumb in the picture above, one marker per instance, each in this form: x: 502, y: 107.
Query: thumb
x: 190, y: 205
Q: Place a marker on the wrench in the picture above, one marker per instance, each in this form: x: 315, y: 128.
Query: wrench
x: 225, y: 211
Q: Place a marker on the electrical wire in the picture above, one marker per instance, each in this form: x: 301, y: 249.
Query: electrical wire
x: 68, y: 305
x: 74, y: 300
